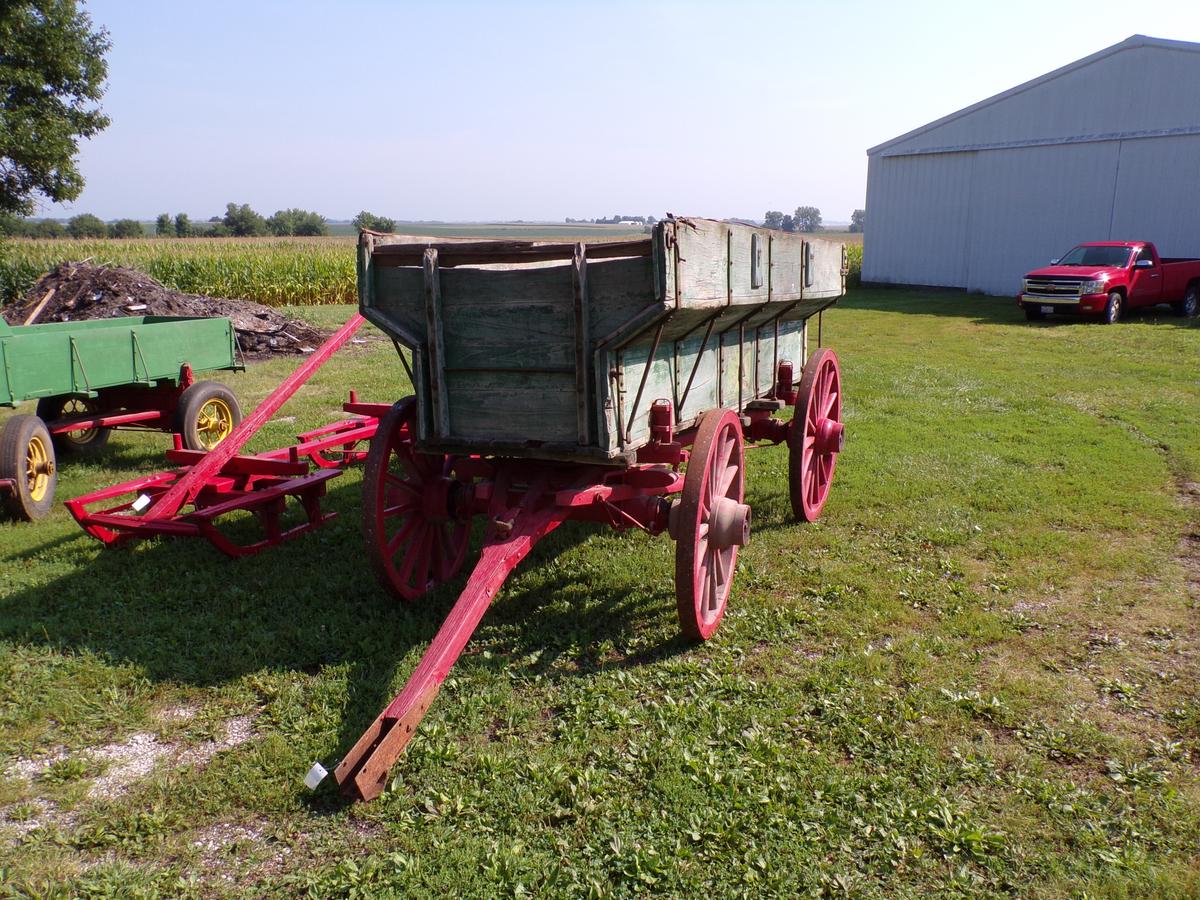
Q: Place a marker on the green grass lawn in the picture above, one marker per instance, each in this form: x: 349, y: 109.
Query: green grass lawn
x: 976, y: 675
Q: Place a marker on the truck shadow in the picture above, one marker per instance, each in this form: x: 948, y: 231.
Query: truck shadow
x: 986, y: 310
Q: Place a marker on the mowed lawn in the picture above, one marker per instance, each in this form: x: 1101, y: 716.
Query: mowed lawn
x: 976, y: 675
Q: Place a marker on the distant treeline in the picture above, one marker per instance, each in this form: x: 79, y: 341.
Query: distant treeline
x: 613, y: 220
x: 808, y: 219
x: 239, y: 221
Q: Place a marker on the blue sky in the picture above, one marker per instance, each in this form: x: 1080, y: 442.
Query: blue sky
x: 538, y: 110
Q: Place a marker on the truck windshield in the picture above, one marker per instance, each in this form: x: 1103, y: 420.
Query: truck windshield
x: 1097, y: 256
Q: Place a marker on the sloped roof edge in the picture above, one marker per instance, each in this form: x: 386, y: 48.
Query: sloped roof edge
x: 1130, y: 43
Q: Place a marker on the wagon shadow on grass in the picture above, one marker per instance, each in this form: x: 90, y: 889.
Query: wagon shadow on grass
x: 182, y: 613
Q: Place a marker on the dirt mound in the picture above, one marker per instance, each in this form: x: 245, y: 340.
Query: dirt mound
x: 83, y: 291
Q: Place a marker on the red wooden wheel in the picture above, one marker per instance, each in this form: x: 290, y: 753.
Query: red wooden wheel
x: 816, y: 435
x: 413, y: 539
x: 709, y: 523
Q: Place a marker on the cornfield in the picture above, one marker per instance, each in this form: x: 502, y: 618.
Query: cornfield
x: 275, y: 271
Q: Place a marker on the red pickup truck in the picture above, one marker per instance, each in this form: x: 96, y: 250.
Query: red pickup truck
x: 1105, y: 278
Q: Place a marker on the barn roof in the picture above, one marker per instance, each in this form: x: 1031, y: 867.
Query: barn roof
x: 1131, y: 43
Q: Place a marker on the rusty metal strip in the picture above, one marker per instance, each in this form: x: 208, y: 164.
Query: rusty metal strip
x: 580, y: 296
x: 712, y: 320
x: 404, y: 362
x: 637, y: 398
x: 436, y: 342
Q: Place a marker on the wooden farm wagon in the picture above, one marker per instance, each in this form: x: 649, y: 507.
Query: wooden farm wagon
x: 608, y: 382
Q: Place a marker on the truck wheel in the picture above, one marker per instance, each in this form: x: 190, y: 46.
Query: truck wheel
x: 1113, y: 308
x: 1188, y: 306
x: 27, y: 459
x: 1034, y: 313
x: 207, y: 414
x: 83, y: 441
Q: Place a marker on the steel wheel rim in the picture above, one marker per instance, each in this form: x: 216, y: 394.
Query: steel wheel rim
x: 214, y: 422
x: 415, y: 543
x: 704, y: 570
x: 37, y: 468
x: 817, y: 426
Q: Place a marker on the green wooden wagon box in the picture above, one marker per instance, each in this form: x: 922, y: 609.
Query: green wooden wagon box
x: 557, y: 351
x: 90, y: 377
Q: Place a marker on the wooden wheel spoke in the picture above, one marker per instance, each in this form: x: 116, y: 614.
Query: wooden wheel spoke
x: 416, y: 561
x: 829, y: 404
x: 728, y: 477
x: 399, y: 509
x: 397, y: 540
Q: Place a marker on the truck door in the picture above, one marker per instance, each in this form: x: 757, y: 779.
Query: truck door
x: 1145, y: 282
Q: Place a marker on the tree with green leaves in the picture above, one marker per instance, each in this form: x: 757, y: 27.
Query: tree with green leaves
x: 52, y: 73
x: 126, y: 228
x: 242, y: 221
x: 183, y: 226
x: 85, y: 225
x: 371, y: 222
x: 297, y: 223
x: 773, y: 219
x: 788, y: 224
x: 807, y: 219
x: 46, y: 228
x: 858, y: 221
x: 163, y: 226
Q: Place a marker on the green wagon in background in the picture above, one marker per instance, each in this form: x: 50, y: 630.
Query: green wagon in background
x: 92, y: 377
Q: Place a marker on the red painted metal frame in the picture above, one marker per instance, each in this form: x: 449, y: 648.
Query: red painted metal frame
x: 221, y: 481
x: 524, y: 500
x: 138, y: 407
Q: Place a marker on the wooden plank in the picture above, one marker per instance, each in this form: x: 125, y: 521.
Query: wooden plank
x: 701, y: 262
x: 436, y: 343
x: 579, y: 267
x: 37, y: 310
x: 508, y: 319
x: 618, y: 290
x: 514, y: 408
x: 787, y: 255
x: 476, y: 253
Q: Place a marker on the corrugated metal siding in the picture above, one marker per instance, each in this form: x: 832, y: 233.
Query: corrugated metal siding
x: 1158, y: 194
x: 1032, y: 204
x: 1139, y: 89
x: 980, y: 219
x: 922, y: 224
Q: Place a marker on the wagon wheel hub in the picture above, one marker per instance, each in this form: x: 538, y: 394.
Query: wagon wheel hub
x: 729, y: 523
x: 437, y: 499
x: 830, y: 436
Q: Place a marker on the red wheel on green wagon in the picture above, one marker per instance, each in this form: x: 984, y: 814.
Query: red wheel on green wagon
x: 414, y: 540
x: 709, y: 523
x: 816, y: 435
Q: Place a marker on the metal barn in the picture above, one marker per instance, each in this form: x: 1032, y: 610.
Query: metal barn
x: 1106, y: 148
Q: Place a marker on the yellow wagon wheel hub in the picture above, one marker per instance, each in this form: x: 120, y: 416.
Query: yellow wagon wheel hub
x: 214, y: 423
x: 39, y: 466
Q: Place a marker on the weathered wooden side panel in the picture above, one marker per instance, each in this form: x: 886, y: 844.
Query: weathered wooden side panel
x: 542, y: 357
